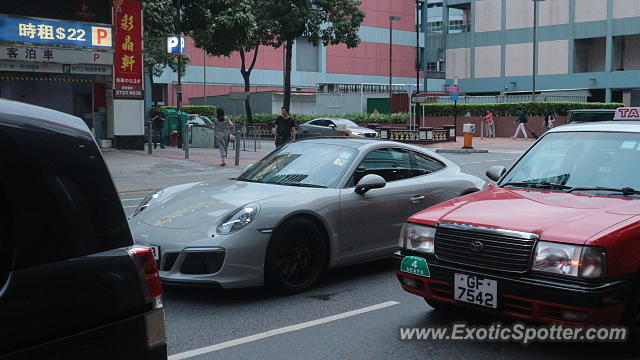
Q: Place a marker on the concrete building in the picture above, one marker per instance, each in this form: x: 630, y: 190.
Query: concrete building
x: 312, y: 66
x: 583, y: 44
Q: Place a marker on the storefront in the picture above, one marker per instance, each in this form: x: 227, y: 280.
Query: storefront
x: 70, y: 58
x: 70, y: 81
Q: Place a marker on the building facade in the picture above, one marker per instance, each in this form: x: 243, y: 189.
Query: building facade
x: 81, y: 57
x: 311, y: 65
x: 589, y: 45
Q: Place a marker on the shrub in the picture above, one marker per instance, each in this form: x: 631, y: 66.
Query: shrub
x: 509, y: 109
x: 204, y: 110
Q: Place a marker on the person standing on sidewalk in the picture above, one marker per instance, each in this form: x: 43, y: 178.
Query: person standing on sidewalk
x: 521, y: 120
x: 490, y: 125
x: 157, y: 123
x: 223, y: 126
x: 285, y: 128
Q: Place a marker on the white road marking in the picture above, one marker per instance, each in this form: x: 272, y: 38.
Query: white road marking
x: 284, y: 330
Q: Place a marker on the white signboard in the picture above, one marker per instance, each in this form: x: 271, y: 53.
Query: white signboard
x: 627, y: 113
x: 31, y: 67
x: 52, y: 55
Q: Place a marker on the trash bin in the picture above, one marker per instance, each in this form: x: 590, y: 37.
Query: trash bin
x: 468, y: 130
x: 172, y: 122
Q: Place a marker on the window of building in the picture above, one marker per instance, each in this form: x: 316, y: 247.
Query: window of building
x: 306, y: 56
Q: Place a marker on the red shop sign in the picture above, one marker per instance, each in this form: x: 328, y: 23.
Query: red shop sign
x: 127, y: 62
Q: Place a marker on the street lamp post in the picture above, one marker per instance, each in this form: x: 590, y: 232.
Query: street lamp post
x: 181, y: 126
x: 535, y: 49
x: 391, y: 20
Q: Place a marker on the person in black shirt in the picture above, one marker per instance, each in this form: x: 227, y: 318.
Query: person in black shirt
x: 285, y: 128
x: 157, y: 122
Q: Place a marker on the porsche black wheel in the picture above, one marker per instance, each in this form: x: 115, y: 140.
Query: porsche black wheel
x: 296, y: 256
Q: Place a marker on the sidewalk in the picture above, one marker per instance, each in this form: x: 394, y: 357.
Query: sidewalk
x: 487, y: 144
x: 138, y: 171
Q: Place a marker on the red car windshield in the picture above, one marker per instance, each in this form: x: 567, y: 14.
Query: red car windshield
x: 581, y: 161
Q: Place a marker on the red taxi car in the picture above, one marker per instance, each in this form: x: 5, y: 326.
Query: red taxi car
x: 555, y: 240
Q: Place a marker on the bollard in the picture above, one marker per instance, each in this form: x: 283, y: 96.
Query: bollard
x: 185, y: 139
x: 150, y: 140
x: 237, y: 160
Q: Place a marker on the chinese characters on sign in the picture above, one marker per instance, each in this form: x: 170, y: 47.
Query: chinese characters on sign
x: 128, y: 57
x: 57, y: 55
x: 36, y: 31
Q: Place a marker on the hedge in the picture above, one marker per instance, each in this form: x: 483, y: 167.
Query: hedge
x: 399, y: 118
x: 509, y: 109
x: 204, y: 110
x: 502, y: 109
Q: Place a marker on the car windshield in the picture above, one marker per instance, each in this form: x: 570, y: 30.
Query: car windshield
x: 346, y: 122
x: 602, y: 162
x: 302, y: 164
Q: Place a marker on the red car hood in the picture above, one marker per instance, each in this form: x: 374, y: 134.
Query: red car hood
x: 555, y: 216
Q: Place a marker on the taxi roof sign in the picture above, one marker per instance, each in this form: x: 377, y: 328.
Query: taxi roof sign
x: 627, y: 113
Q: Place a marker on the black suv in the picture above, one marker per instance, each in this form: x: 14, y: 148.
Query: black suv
x: 72, y: 284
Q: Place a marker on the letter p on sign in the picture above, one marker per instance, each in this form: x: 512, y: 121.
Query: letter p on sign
x: 175, y: 45
x: 101, y: 36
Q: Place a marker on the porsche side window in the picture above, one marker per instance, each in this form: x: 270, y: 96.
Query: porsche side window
x: 423, y: 165
x: 391, y: 164
x: 317, y: 123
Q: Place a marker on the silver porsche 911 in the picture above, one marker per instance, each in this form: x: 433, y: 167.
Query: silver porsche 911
x: 306, y: 206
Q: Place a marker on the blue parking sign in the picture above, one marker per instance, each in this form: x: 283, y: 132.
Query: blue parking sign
x: 175, y: 45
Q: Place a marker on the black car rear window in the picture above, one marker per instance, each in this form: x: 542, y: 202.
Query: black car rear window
x: 64, y: 204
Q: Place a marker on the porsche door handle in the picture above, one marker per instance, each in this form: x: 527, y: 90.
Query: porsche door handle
x: 416, y: 199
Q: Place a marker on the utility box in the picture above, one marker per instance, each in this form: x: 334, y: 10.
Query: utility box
x: 468, y: 130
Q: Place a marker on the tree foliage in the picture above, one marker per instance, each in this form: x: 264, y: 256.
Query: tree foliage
x: 159, y: 22
x: 326, y: 22
x: 222, y: 27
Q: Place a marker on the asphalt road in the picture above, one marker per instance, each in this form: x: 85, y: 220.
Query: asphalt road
x: 355, y: 312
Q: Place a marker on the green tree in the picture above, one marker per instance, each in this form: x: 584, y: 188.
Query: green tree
x: 326, y: 22
x: 159, y: 22
x: 222, y: 27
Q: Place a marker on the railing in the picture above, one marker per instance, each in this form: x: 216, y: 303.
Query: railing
x: 512, y: 99
x: 422, y: 135
x: 248, y: 139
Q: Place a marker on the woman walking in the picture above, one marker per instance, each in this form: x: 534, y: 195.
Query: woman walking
x: 548, y: 122
x: 223, y: 127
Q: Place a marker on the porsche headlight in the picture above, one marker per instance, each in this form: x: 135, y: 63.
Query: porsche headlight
x: 148, y: 200
x: 238, y: 219
x: 572, y: 260
x: 417, y: 238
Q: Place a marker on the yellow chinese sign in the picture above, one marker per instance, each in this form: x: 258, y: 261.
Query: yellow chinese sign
x: 128, y: 71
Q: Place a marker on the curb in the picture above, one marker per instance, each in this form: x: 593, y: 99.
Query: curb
x: 462, y: 151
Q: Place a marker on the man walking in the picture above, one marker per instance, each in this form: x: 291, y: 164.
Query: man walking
x: 521, y: 120
x: 157, y: 122
x: 285, y: 128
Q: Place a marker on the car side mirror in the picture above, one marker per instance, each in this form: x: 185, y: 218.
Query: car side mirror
x: 333, y: 126
x: 370, y: 181
x: 495, y: 172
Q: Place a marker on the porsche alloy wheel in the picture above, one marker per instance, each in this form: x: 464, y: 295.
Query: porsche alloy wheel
x: 296, y: 256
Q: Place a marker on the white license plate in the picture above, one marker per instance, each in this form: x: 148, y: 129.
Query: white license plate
x: 156, y: 252
x: 476, y: 290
